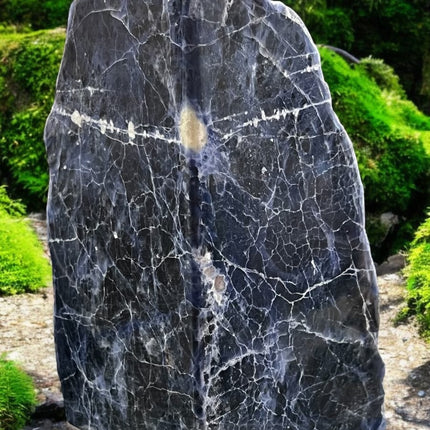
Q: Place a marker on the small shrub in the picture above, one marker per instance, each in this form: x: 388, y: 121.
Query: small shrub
x: 8, y: 206
x: 28, y: 69
x: 403, y: 316
x: 382, y: 74
x: 418, y: 274
x: 23, y: 268
x: 17, y: 396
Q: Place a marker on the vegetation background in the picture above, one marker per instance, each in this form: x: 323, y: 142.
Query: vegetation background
x: 381, y: 94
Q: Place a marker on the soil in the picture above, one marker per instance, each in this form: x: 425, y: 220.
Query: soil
x: 26, y: 336
x: 407, y: 362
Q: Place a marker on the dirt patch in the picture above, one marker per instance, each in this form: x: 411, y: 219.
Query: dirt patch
x: 407, y: 362
x: 26, y: 336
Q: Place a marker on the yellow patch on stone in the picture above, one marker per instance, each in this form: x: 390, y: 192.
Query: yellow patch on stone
x: 193, y: 133
x: 219, y: 284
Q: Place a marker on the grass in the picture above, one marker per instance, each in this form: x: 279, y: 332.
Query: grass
x: 17, y: 396
x: 23, y: 267
x: 418, y: 275
x: 28, y: 69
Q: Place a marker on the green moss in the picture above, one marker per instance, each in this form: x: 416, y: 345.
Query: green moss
x: 17, y: 396
x: 403, y: 316
x: 391, y: 137
x: 389, y: 133
x: 23, y: 268
x: 28, y: 70
x: 382, y: 74
x: 418, y: 274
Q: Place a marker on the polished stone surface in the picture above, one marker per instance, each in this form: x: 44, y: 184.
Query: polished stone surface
x: 206, y: 225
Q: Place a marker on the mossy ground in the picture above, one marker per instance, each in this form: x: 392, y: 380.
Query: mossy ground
x: 23, y: 267
x: 391, y: 138
x: 28, y: 70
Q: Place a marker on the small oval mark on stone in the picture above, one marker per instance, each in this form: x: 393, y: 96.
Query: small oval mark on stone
x: 210, y: 272
x: 193, y: 132
x: 131, y: 131
x: 219, y: 284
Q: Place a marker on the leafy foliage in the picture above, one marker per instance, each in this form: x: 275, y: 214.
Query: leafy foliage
x: 10, y: 207
x: 418, y: 273
x: 17, y: 396
x: 389, y: 135
x: 23, y: 268
x: 328, y: 25
x: 390, y: 29
x: 28, y: 70
x: 35, y: 13
x: 383, y: 75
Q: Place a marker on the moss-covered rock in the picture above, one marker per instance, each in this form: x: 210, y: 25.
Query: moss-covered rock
x: 418, y: 274
x: 391, y: 141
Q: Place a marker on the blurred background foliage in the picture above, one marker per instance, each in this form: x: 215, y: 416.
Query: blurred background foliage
x: 397, y: 31
x: 382, y: 100
x: 29, y: 65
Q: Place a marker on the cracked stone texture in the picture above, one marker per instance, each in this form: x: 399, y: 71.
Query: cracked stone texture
x: 206, y: 225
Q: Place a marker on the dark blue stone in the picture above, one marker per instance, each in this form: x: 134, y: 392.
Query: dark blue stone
x: 206, y: 225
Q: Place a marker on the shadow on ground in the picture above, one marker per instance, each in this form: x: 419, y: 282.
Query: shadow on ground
x: 418, y: 383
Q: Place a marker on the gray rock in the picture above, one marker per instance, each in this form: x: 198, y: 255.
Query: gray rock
x: 206, y: 225
x: 394, y: 264
x: 389, y: 220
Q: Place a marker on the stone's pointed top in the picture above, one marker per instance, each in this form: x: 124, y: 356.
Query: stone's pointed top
x: 193, y: 132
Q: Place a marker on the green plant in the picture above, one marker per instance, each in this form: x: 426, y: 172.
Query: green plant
x: 390, y: 137
x: 382, y: 74
x: 28, y: 70
x: 418, y: 274
x: 17, y: 396
x: 393, y: 30
x: 8, y: 206
x: 23, y: 268
x: 22, y: 265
